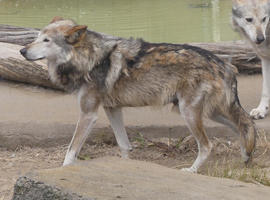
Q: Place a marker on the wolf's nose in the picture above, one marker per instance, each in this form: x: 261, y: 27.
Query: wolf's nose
x: 260, y: 39
x: 23, y: 51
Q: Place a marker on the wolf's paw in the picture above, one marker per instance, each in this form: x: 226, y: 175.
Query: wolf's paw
x: 70, y: 158
x: 258, y: 113
x: 67, y: 162
x: 125, y: 153
x: 190, y: 169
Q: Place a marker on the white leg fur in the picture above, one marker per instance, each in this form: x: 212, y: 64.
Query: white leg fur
x: 70, y: 157
x: 202, y: 156
x: 116, y: 119
x: 261, y: 111
x: 195, y: 126
x: 84, y: 127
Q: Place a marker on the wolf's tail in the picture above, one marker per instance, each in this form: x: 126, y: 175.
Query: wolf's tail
x: 237, y: 118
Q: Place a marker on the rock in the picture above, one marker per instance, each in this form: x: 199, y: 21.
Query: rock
x: 28, y: 189
x: 115, y: 178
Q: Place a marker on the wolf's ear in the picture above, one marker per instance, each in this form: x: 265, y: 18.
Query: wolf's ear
x: 75, y: 34
x: 56, y: 18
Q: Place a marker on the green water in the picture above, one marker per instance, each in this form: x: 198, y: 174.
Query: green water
x: 175, y: 21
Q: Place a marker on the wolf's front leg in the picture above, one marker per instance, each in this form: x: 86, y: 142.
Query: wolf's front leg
x: 87, y: 119
x: 116, y: 120
x: 261, y: 111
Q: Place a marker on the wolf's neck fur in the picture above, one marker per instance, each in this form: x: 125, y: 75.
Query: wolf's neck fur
x: 68, y: 77
x: 98, y: 60
x: 89, y: 63
x: 90, y: 52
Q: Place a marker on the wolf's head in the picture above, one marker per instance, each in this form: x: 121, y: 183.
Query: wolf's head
x: 63, y: 43
x: 55, y: 41
x: 250, y: 18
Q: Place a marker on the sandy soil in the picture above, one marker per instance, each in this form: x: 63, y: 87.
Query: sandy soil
x: 225, y: 160
x: 37, y: 124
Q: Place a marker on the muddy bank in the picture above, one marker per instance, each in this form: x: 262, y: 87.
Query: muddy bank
x: 39, y: 117
x: 225, y: 160
x: 45, y: 135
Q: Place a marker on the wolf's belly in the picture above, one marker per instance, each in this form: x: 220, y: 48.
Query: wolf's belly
x: 139, y: 98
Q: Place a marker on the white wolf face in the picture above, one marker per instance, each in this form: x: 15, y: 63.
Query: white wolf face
x: 250, y: 18
x: 54, y: 42
x: 43, y: 47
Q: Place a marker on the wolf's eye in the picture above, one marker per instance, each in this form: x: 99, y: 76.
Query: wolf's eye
x: 264, y: 19
x: 249, y: 19
x: 46, y: 40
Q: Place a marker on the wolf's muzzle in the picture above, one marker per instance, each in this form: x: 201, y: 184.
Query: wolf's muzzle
x: 23, y: 51
x: 260, y: 39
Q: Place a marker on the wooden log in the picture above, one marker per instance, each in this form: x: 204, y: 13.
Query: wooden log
x: 25, y: 72
x: 14, y: 67
x: 17, y: 35
x: 237, y: 53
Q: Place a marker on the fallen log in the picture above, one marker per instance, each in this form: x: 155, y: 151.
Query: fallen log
x: 238, y: 53
x: 25, y: 72
x: 17, y: 35
x: 14, y: 67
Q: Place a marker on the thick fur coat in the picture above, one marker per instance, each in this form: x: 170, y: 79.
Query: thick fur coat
x: 116, y: 72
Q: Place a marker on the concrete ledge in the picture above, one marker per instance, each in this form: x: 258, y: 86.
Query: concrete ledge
x: 115, y: 178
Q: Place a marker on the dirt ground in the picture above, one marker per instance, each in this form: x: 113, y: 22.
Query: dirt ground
x: 225, y: 160
x: 29, y: 114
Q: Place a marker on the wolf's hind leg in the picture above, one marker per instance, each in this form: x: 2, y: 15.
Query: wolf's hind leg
x: 240, y: 122
x: 220, y: 118
x: 193, y: 117
x: 116, y: 119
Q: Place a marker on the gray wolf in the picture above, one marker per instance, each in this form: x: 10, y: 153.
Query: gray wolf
x: 114, y: 73
x: 251, y: 19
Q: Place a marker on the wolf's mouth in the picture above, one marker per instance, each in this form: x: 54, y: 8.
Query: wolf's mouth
x: 259, y: 43
x: 23, y: 52
x: 29, y: 59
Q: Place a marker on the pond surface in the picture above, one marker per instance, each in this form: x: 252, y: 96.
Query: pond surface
x: 175, y: 21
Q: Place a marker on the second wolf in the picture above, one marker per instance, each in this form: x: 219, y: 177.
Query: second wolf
x: 251, y: 19
x: 116, y: 73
